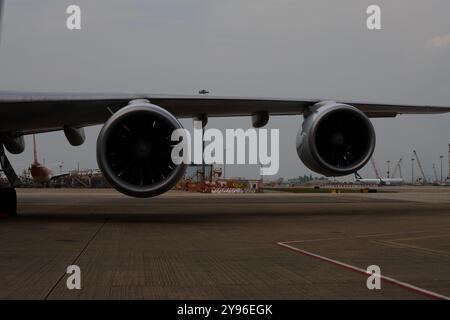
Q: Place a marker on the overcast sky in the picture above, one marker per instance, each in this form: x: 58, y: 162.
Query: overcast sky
x: 266, y: 48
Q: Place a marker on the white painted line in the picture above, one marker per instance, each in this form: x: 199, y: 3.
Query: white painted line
x: 393, y: 281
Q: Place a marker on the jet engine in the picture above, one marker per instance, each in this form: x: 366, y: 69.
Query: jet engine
x: 134, y: 150
x: 336, y: 139
x: 15, y: 145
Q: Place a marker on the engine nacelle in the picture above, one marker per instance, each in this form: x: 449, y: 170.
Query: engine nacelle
x: 134, y: 150
x: 15, y: 145
x: 336, y: 139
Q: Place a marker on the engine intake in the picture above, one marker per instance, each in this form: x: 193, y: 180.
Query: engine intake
x: 134, y: 150
x: 336, y: 139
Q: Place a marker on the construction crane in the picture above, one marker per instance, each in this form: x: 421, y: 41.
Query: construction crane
x: 377, y: 174
x: 435, y: 173
x: 398, y: 168
x: 420, y: 167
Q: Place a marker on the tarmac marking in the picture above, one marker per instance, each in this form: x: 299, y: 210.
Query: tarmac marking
x: 393, y: 244
x: 392, y: 281
x: 76, y: 258
x: 422, y: 238
x: 354, y: 237
x: 397, y: 243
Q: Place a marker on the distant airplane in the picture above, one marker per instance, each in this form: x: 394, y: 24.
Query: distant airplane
x: 40, y: 173
x: 133, y: 151
x: 379, y: 181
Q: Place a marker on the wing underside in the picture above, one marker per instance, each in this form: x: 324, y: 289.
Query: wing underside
x: 32, y: 113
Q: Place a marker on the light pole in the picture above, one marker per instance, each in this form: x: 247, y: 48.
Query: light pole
x: 412, y: 170
x: 224, y: 163
x: 442, y: 177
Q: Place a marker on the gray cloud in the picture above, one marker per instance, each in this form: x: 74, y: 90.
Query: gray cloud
x: 440, y: 42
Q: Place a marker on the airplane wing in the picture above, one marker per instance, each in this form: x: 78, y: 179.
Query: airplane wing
x: 41, y: 112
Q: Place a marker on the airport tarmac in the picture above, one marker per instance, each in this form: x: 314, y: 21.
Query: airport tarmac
x: 203, y: 246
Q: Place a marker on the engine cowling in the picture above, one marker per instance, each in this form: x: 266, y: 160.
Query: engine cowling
x: 336, y: 139
x: 15, y: 145
x: 134, y: 150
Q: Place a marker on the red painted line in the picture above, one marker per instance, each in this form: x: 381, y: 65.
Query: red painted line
x: 392, y: 281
